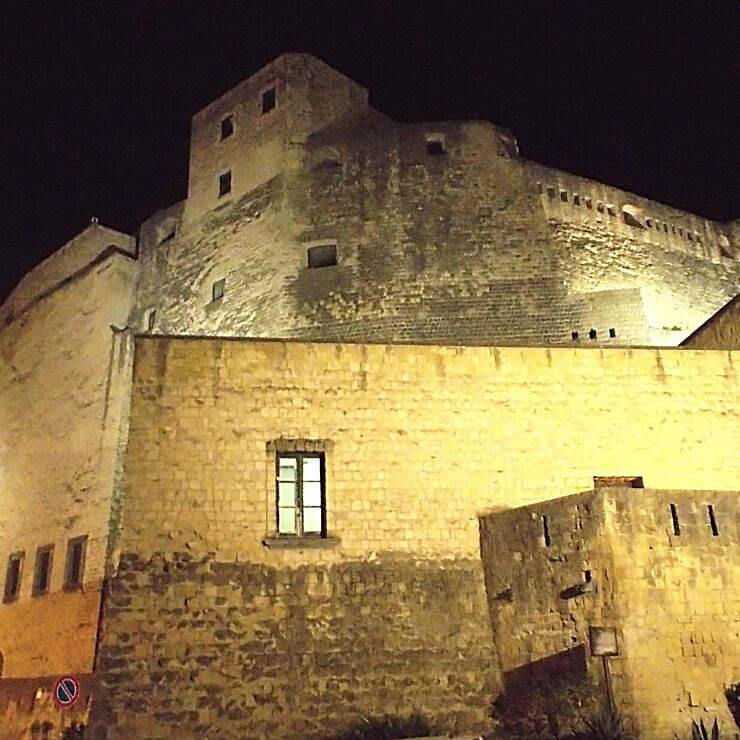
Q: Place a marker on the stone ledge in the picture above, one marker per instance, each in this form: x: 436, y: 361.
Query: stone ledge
x: 301, y: 543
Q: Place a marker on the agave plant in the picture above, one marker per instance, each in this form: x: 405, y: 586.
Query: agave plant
x: 606, y: 726
x: 700, y: 732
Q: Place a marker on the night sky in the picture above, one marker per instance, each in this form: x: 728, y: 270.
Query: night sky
x: 95, y: 99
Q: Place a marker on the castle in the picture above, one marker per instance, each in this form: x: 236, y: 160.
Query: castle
x: 283, y: 458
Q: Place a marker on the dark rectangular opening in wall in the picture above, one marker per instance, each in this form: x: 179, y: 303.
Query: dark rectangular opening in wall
x: 42, y: 571
x: 592, y: 334
x: 224, y: 183
x: 268, y: 100
x: 546, y: 531
x: 13, y: 577
x: 227, y: 127
x: 75, y: 566
x: 563, y: 196
x: 435, y: 146
x: 576, y: 199
x: 612, y: 333
x: 674, y: 519
x: 324, y: 255
x: 218, y: 289
x: 712, y: 520
x: 574, y: 335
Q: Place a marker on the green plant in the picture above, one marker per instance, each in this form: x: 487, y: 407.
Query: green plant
x: 700, y: 732
x: 387, y: 727
x: 606, y: 725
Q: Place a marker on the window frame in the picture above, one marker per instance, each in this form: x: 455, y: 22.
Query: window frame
x: 300, y: 456
x: 19, y: 557
x: 36, y: 589
x: 76, y: 585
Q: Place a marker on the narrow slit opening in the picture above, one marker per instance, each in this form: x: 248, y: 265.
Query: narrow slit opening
x: 712, y: 520
x: 674, y: 519
x: 546, y: 531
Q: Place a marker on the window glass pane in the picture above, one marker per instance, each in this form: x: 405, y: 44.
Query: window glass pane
x: 311, y: 468
x: 312, y: 520
x: 286, y: 493
x: 286, y: 521
x: 288, y: 468
x: 311, y: 493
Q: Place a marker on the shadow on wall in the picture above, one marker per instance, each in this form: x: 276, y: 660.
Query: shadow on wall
x: 551, y: 697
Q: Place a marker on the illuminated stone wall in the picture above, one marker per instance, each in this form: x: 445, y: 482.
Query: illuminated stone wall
x: 206, y: 626
x: 64, y: 379
x: 473, y: 245
x: 612, y: 558
x: 722, y: 331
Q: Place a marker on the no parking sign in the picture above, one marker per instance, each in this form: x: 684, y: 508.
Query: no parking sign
x: 66, y: 691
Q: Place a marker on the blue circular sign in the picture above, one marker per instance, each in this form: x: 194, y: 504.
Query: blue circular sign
x: 66, y: 691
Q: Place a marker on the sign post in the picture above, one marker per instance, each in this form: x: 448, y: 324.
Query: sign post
x: 604, y: 643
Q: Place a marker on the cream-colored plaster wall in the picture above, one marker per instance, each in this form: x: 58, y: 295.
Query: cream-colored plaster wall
x: 64, y: 379
x: 420, y: 440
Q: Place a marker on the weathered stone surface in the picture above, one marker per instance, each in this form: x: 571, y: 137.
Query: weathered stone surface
x: 722, y: 331
x: 302, y: 651
x: 472, y: 246
x: 614, y: 560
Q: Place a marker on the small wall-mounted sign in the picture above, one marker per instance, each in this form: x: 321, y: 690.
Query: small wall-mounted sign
x: 603, y: 640
x: 66, y: 692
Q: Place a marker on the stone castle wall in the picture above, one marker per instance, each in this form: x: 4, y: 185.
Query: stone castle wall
x: 722, y: 331
x: 473, y: 245
x: 418, y: 442
x: 64, y: 377
x: 673, y: 599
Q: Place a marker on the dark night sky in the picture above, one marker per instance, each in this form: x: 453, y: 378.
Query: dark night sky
x: 95, y: 99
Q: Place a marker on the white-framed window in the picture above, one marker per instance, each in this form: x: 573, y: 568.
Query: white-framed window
x: 300, y: 479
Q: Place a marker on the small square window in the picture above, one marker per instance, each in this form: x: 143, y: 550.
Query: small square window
x: 436, y: 144
x: 574, y: 335
x: 224, y: 184
x: 13, y: 576
x: 218, y: 289
x: 592, y: 334
x: 612, y: 333
x: 227, y: 127
x: 268, y: 100
x: 301, y: 496
x: 42, y: 570
x: 324, y: 255
x: 74, y: 570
